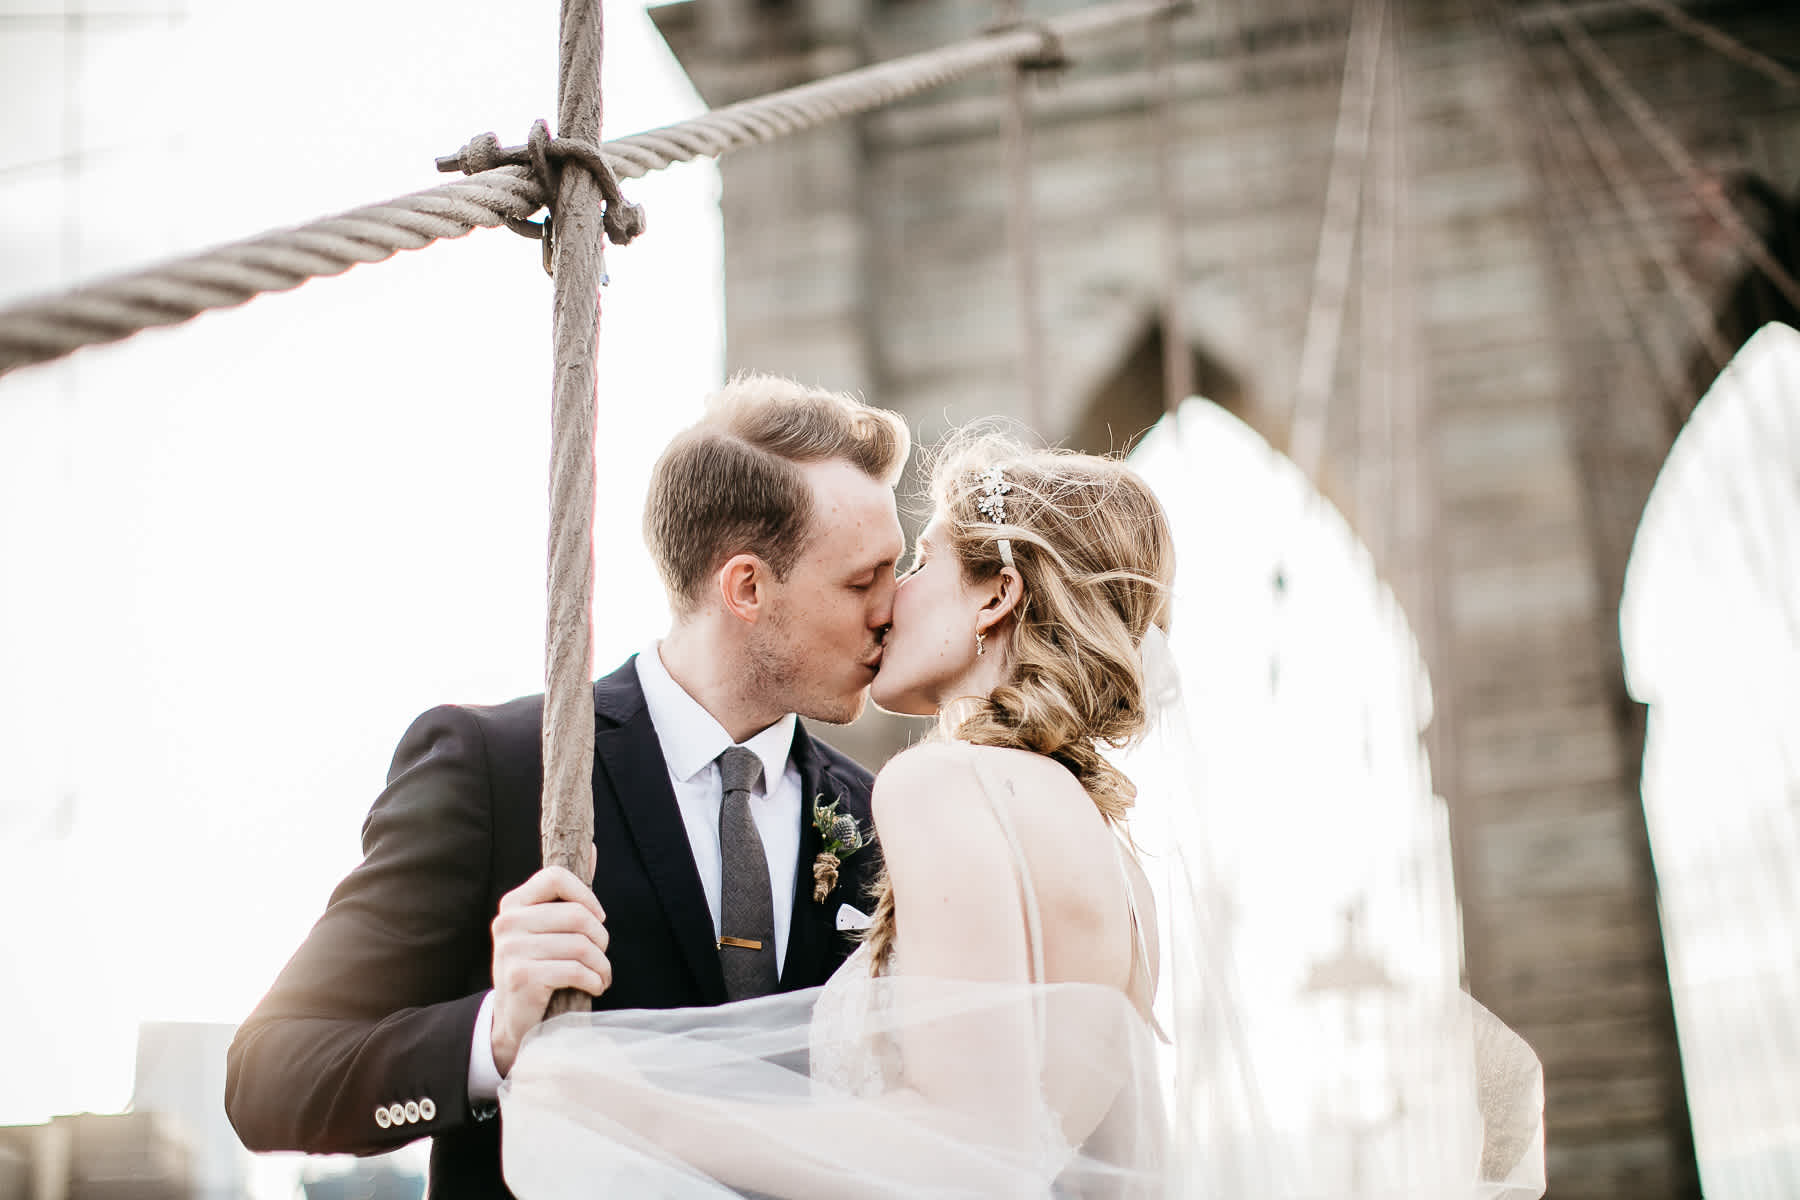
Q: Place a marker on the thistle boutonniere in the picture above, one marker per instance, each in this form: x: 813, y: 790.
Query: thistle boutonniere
x: 842, y: 839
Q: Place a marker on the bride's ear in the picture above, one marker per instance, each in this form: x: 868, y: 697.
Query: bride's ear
x: 1003, y: 596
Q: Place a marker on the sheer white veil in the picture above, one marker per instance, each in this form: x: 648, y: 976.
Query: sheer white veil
x: 898, y: 1086
x: 1434, y: 1096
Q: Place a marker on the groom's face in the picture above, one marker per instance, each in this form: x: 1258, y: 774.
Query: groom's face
x: 821, y: 645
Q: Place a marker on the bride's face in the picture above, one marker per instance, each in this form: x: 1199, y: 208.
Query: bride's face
x: 930, y: 647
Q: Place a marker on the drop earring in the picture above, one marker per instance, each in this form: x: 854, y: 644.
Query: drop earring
x: 980, y: 638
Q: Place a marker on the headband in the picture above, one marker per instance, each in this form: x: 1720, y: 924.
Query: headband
x: 991, y: 503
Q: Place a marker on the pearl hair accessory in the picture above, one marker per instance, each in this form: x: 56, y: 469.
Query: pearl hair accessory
x: 991, y: 504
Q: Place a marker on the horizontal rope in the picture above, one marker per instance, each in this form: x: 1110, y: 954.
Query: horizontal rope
x: 223, y: 277
x: 178, y: 290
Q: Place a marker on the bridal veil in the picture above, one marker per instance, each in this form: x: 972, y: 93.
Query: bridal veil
x: 898, y: 1086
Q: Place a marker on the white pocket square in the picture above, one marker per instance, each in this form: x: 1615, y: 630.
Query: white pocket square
x: 852, y: 919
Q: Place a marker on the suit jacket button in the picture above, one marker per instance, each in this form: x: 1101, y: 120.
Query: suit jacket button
x: 427, y: 1109
x: 396, y: 1113
x: 382, y: 1119
x: 412, y: 1112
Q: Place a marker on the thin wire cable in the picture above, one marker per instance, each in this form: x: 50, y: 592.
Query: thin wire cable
x: 1719, y: 40
x: 1177, y: 360
x: 1621, y: 317
x: 1704, y: 189
x: 169, y: 293
x: 1377, y: 313
x: 1337, y: 240
x: 1604, y: 150
x: 1021, y: 235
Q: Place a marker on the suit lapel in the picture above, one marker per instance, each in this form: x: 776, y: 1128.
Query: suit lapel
x: 631, y: 759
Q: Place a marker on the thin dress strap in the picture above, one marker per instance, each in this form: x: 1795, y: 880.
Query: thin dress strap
x: 1034, y: 931
x: 1140, y: 947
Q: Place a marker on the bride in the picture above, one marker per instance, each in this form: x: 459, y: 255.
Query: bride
x: 993, y: 1034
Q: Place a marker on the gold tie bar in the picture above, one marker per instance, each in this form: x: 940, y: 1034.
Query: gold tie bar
x: 741, y: 943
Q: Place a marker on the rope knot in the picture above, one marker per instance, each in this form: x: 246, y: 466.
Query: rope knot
x: 546, y: 156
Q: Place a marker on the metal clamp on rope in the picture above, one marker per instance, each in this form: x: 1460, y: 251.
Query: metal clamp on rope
x: 546, y: 156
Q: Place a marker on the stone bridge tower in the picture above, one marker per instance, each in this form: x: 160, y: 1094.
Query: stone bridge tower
x: 1518, y: 349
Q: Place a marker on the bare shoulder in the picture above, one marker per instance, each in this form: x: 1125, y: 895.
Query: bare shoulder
x: 935, y: 785
x: 923, y: 786
x: 936, y: 771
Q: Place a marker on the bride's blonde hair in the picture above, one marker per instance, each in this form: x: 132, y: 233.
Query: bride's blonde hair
x: 1094, y: 555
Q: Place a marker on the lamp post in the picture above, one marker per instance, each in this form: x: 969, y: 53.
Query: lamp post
x: 1352, y: 983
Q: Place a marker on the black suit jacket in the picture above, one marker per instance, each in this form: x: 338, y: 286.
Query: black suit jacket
x: 377, y: 1008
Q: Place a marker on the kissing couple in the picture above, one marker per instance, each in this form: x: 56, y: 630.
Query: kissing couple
x: 807, y: 981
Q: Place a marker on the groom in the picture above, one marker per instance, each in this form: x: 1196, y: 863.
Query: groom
x: 772, y: 522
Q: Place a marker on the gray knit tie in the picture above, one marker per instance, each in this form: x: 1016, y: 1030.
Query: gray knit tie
x: 746, y: 908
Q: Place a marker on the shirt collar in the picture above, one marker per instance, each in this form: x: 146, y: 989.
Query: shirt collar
x: 691, y: 737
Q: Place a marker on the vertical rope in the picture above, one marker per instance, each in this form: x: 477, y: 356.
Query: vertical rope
x: 1178, y: 363
x: 1337, y: 239
x: 567, y: 826
x: 1021, y: 232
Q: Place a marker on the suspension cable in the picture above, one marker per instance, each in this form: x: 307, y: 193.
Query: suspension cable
x: 1337, y: 239
x: 1177, y: 361
x: 169, y: 293
x: 1604, y: 150
x: 1705, y: 190
x: 566, y: 815
x: 1021, y: 230
x: 1711, y: 35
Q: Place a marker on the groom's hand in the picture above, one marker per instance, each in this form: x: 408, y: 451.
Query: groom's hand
x: 550, y: 934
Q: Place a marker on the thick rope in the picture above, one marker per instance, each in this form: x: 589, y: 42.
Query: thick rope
x: 1337, y: 239
x: 567, y: 814
x: 226, y: 276
x: 1704, y: 189
x: 166, y: 294
x: 545, y: 156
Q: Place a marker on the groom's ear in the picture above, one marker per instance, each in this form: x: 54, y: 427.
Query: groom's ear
x: 743, y: 586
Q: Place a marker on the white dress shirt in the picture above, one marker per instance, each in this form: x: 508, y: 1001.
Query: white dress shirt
x: 692, y: 741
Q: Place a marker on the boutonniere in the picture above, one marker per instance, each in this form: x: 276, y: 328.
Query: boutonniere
x: 842, y: 839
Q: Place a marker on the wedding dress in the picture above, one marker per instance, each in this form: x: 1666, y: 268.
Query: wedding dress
x: 881, y: 1084
x: 876, y: 1084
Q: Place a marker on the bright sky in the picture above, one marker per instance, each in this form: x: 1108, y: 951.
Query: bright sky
x: 240, y: 556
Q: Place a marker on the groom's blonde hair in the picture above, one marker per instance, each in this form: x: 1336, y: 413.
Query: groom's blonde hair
x: 731, y: 483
